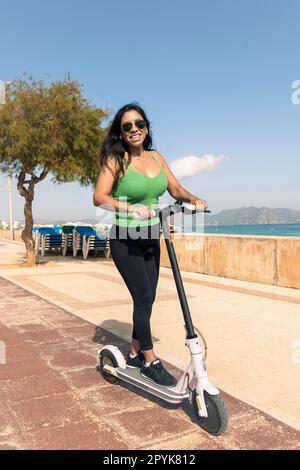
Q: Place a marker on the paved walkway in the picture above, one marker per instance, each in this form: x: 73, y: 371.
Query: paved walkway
x: 12, y: 254
x: 54, y: 398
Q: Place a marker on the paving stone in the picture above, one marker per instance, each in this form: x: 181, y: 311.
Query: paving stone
x: 18, y: 318
x: 84, y: 377
x: 197, y: 440
x: 28, y: 327
x: 49, y: 412
x: 111, y: 399
x: 35, y: 386
x: 147, y: 425
x: 71, y: 358
x: 46, y: 350
x: 79, y: 332
x: 59, y: 318
x: 20, y: 369
x: 73, y: 436
x: 20, y: 352
x: 8, y: 336
x: 42, y: 336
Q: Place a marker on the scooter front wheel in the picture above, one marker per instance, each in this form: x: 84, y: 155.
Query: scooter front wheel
x: 107, y: 358
x: 217, y: 419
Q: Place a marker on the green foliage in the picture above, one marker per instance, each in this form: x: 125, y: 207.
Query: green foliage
x: 51, y: 129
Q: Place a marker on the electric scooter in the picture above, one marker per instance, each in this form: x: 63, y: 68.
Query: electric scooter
x: 194, y: 384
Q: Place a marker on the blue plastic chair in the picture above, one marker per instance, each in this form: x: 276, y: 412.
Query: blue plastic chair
x: 86, y: 239
x: 49, y: 238
x: 67, y: 238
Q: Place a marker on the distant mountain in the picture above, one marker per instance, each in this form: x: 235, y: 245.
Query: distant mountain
x: 254, y: 215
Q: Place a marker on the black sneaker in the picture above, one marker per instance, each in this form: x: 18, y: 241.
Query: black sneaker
x: 135, y: 362
x: 158, y: 374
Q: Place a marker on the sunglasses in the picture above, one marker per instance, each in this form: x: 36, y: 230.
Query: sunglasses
x: 140, y: 124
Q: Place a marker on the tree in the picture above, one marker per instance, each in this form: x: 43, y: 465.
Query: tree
x: 48, y: 130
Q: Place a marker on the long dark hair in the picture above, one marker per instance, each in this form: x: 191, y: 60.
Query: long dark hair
x: 114, y: 147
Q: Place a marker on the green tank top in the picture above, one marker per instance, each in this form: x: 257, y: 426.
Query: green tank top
x: 136, y: 188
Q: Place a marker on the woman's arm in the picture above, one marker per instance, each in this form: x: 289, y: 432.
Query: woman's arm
x: 103, y: 190
x: 177, y: 191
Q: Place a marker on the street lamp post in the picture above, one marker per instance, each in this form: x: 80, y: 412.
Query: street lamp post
x: 9, y: 187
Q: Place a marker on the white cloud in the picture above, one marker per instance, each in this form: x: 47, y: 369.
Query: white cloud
x: 184, y: 167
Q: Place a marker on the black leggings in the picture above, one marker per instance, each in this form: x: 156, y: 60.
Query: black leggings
x: 137, y: 260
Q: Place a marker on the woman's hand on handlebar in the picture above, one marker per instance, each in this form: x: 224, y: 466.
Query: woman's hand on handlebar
x: 200, y: 204
x: 143, y: 212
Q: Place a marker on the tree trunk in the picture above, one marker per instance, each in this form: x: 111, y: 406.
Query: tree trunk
x: 28, y: 194
x: 27, y: 236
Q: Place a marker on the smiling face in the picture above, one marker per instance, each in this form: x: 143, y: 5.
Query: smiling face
x: 136, y: 135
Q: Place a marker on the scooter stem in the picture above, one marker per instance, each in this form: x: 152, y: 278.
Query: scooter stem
x: 190, y: 332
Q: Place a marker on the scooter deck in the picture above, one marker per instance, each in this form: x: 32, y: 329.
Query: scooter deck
x: 134, y: 377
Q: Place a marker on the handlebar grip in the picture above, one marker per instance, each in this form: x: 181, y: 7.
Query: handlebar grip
x: 190, y: 207
x: 136, y: 215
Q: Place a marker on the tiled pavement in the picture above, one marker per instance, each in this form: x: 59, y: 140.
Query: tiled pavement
x: 52, y: 397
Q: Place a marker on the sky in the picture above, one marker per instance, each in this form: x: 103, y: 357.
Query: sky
x: 213, y: 76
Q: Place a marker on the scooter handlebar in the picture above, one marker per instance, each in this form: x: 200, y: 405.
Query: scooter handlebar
x: 136, y: 215
x: 179, y: 207
x: 175, y: 208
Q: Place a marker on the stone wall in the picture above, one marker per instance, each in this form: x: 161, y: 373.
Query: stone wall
x: 6, y: 234
x: 269, y: 260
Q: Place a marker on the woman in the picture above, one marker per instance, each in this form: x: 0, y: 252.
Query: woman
x: 132, y: 177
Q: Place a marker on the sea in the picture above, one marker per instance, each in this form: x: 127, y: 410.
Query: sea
x: 274, y: 230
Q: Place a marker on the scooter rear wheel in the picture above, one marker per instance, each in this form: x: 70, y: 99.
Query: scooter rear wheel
x: 107, y: 358
x: 216, y: 421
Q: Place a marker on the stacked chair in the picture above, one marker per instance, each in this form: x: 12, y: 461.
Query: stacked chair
x: 48, y: 239
x: 67, y: 238
x: 87, y: 239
